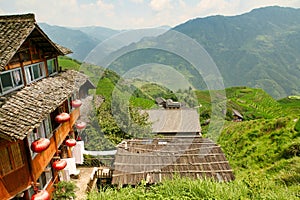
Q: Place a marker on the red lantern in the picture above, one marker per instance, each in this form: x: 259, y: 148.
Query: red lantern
x: 70, y: 142
x: 62, y: 117
x: 76, y: 103
x: 41, y: 195
x: 40, y: 145
x: 80, y: 125
x: 59, y: 164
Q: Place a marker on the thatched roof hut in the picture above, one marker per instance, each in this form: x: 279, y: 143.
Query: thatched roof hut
x: 157, y: 159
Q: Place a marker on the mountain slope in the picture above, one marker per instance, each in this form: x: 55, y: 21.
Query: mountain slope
x: 79, y: 42
x: 97, y: 32
x: 257, y: 49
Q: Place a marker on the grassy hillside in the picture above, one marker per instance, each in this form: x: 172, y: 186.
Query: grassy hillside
x: 263, y: 150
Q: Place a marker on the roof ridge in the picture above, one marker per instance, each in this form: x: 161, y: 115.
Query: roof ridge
x: 21, y: 17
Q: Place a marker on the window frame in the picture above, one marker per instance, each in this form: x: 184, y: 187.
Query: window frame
x: 12, y: 78
x: 55, y: 66
x: 29, y: 68
x: 41, y: 132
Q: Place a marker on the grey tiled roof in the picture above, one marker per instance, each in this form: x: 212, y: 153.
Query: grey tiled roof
x: 162, y: 158
x: 13, y: 32
x: 174, y: 120
x: 24, y: 110
x: 14, y: 29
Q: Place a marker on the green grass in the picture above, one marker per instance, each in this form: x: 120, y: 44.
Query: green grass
x: 68, y: 63
x: 183, y: 188
x: 142, y: 103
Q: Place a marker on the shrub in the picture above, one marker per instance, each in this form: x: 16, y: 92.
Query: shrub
x: 64, y: 190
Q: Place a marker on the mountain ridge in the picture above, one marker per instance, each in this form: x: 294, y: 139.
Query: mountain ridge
x: 259, y: 49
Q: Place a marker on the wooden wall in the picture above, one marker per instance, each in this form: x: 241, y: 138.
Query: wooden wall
x: 15, y: 181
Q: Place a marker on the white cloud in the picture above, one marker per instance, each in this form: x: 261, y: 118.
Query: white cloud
x: 160, y: 5
x: 104, y: 6
x: 128, y: 14
x: 137, y: 1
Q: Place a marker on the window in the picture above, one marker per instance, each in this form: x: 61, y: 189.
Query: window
x: 52, y: 66
x: 11, y: 158
x: 43, y: 131
x: 35, y: 72
x: 43, y: 180
x: 11, y: 80
x: 45, y: 177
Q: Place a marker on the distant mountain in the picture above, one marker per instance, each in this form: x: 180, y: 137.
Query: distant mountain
x: 80, y: 40
x: 97, y: 32
x: 257, y: 49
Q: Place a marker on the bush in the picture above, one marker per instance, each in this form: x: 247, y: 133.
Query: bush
x: 64, y: 190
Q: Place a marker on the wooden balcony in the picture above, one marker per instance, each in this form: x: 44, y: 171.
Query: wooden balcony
x: 41, y: 160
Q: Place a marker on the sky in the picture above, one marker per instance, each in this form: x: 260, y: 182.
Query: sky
x: 131, y: 14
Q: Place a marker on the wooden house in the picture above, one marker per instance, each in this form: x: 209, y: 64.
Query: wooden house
x: 32, y: 93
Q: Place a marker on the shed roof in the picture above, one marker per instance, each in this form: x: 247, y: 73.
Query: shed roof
x: 237, y: 113
x: 174, y: 120
x: 162, y: 158
x: 14, y: 30
x: 24, y: 110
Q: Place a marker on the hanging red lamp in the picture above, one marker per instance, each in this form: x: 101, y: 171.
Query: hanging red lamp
x: 76, y: 103
x: 79, y: 138
x: 70, y: 142
x: 59, y: 164
x: 80, y: 125
x: 40, y: 145
x: 41, y: 195
x: 62, y: 117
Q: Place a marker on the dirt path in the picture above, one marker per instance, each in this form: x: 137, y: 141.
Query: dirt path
x: 82, y: 181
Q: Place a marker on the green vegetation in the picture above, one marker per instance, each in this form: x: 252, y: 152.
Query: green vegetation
x: 68, y: 63
x: 263, y: 150
x: 64, y: 190
x: 183, y: 188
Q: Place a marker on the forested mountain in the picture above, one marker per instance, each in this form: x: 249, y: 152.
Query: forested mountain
x: 258, y: 49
